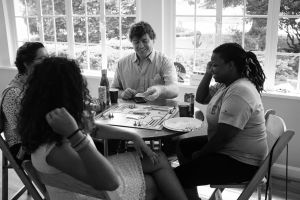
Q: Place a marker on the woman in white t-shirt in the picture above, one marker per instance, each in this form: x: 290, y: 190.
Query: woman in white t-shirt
x: 235, y: 144
x: 53, y: 131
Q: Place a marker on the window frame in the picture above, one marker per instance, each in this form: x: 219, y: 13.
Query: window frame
x: 69, y: 16
x: 270, y: 52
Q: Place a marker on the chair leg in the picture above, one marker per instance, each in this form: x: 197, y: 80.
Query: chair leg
x: 19, y: 193
x: 270, y: 189
x: 259, y: 192
x: 217, y: 194
x: 4, y: 178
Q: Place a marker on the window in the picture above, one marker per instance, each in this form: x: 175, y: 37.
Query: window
x: 92, y: 31
x: 201, y: 25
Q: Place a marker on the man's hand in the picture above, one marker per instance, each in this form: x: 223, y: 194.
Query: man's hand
x: 128, y: 93
x: 153, y: 92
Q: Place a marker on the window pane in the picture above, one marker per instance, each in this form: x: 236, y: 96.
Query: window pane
x: 128, y: 7
x: 62, y: 50
x: 233, y: 7
x: 261, y: 58
x: 288, y: 7
x: 61, y: 29
x: 126, y: 46
x: 51, y: 48
x: 112, y: 28
x: 232, y: 28
x: 113, y: 55
x: 185, y: 32
x: 288, y: 35
x: 287, y: 68
x: 59, y: 7
x: 127, y: 49
x: 79, y: 29
x: 204, y: 7
x: 95, y: 57
x: 205, y: 34
x: 184, y: 7
x: 47, y: 7
x: 78, y: 7
x: 94, y: 29
x: 257, y: 7
x: 19, y: 7
x: 31, y: 7
x: 33, y: 29
x: 126, y: 23
x: 48, y: 29
x: 255, y: 34
x: 186, y: 58
x: 22, y: 28
x: 202, y: 58
x: 81, y: 55
x: 93, y: 7
x: 111, y: 7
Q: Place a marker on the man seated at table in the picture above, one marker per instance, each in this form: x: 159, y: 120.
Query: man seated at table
x: 146, y: 71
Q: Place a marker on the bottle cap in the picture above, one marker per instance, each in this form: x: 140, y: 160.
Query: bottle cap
x: 104, y: 71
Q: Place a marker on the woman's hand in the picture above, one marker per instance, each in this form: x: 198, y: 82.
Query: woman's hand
x: 61, y: 121
x: 141, y: 146
x: 209, y: 67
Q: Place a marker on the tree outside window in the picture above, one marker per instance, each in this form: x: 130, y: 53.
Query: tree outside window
x: 201, y: 25
x: 78, y: 28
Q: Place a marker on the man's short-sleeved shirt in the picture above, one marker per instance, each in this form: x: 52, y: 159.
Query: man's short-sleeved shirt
x: 157, y: 69
x: 240, y: 105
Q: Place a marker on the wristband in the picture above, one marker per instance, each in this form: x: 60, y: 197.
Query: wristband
x: 74, y: 133
x: 83, y: 143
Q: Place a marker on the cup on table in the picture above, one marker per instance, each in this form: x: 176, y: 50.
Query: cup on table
x: 183, y: 108
x: 113, y: 92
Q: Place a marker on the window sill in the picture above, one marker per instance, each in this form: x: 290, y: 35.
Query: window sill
x: 93, y: 75
x: 274, y: 94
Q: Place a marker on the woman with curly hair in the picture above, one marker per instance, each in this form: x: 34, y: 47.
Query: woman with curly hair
x: 52, y: 130
x: 235, y: 144
x: 29, y: 54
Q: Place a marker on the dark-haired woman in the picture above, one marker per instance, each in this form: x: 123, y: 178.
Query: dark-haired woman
x: 28, y: 55
x: 53, y: 131
x: 235, y: 144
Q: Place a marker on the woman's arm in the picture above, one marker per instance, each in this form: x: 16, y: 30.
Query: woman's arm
x: 223, y: 136
x: 112, y: 132
x: 79, y: 158
x: 202, y: 93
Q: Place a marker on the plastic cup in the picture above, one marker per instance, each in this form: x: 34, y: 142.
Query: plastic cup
x: 113, y: 95
x: 183, y: 108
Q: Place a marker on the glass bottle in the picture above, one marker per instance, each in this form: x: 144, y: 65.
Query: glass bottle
x: 104, y: 82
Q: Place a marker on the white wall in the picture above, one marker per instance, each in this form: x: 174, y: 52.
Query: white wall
x: 156, y: 12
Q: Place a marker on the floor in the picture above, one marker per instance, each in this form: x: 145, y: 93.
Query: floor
x: 204, y: 191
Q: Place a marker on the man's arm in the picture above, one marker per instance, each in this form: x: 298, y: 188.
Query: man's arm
x: 168, y: 91
x: 170, y: 88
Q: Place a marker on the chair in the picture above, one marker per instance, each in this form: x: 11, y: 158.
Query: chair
x: 9, y: 162
x: 180, y: 69
x: 275, y: 127
x: 66, y: 182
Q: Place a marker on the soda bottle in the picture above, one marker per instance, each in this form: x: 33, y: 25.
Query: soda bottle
x: 104, y: 82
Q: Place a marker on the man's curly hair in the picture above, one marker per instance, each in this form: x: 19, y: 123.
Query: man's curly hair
x: 139, y: 29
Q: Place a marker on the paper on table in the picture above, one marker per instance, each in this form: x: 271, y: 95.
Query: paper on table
x: 140, y: 95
